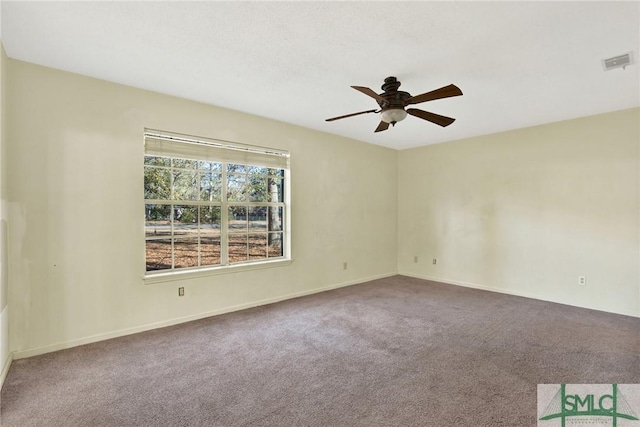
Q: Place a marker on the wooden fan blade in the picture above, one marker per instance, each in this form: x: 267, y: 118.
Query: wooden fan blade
x: 369, y: 92
x: 443, y: 92
x: 382, y: 126
x: 350, y: 115
x: 433, y: 118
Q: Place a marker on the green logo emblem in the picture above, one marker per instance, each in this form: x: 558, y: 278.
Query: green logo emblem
x: 587, y: 405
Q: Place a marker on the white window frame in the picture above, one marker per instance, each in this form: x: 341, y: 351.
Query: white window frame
x: 174, y: 145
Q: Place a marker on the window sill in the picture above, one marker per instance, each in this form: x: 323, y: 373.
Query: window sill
x: 153, y: 278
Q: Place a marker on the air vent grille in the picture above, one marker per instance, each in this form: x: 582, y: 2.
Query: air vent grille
x: 620, y: 61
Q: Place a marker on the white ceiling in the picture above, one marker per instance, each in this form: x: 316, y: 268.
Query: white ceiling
x: 518, y: 63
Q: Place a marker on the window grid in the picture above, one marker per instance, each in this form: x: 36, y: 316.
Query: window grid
x: 179, y: 202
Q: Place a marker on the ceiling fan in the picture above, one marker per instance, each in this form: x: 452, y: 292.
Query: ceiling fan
x: 392, y: 104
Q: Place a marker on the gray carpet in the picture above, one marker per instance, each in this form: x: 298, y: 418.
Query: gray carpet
x: 391, y: 352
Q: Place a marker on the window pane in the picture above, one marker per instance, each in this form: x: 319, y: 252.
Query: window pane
x: 158, y: 254
x: 236, y: 188
x: 257, y: 170
x: 185, y: 252
x: 258, y: 218
x: 210, y: 221
x: 257, y: 188
x: 185, y: 164
x: 185, y: 185
x: 157, y: 183
x: 276, y: 190
x: 238, y: 219
x: 275, y: 218
x: 275, y: 172
x: 209, y: 250
x: 185, y: 220
x: 210, y: 166
x: 157, y: 161
x: 157, y: 220
x: 210, y: 187
x: 275, y: 245
x: 257, y: 246
x: 231, y: 168
x: 237, y: 247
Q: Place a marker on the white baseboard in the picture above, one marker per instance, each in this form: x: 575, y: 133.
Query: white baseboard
x: 5, y: 369
x: 170, y: 322
x: 6, y: 357
x: 508, y: 292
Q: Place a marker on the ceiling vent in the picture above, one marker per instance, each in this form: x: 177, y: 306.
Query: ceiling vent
x: 620, y: 61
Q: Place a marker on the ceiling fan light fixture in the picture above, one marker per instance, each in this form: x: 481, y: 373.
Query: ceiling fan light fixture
x: 393, y: 115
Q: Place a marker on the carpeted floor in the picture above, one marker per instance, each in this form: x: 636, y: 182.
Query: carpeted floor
x: 391, y: 352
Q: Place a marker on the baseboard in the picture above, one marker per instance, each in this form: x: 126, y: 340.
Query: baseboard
x: 5, y: 369
x: 6, y: 357
x: 508, y: 292
x: 21, y: 354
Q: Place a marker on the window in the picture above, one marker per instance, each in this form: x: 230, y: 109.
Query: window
x: 213, y: 204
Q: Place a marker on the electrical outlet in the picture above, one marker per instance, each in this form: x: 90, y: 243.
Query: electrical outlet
x: 344, y: 265
x: 435, y: 260
x: 415, y: 258
x: 181, y: 291
x: 582, y: 280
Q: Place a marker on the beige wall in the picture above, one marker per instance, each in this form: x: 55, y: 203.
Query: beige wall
x: 3, y: 182
x: 4, y: 285
x: 523, y: 212
x: 76, y: 243
x: 528, y: 211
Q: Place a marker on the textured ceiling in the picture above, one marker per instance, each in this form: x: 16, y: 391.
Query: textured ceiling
x: 518, y: 63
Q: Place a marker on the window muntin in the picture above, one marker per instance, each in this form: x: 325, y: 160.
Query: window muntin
x: 208, y: 213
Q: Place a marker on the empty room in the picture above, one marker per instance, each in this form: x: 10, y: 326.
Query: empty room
x: 370, y: 213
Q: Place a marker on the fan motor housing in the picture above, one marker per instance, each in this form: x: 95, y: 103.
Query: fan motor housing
x: 394, y: 99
